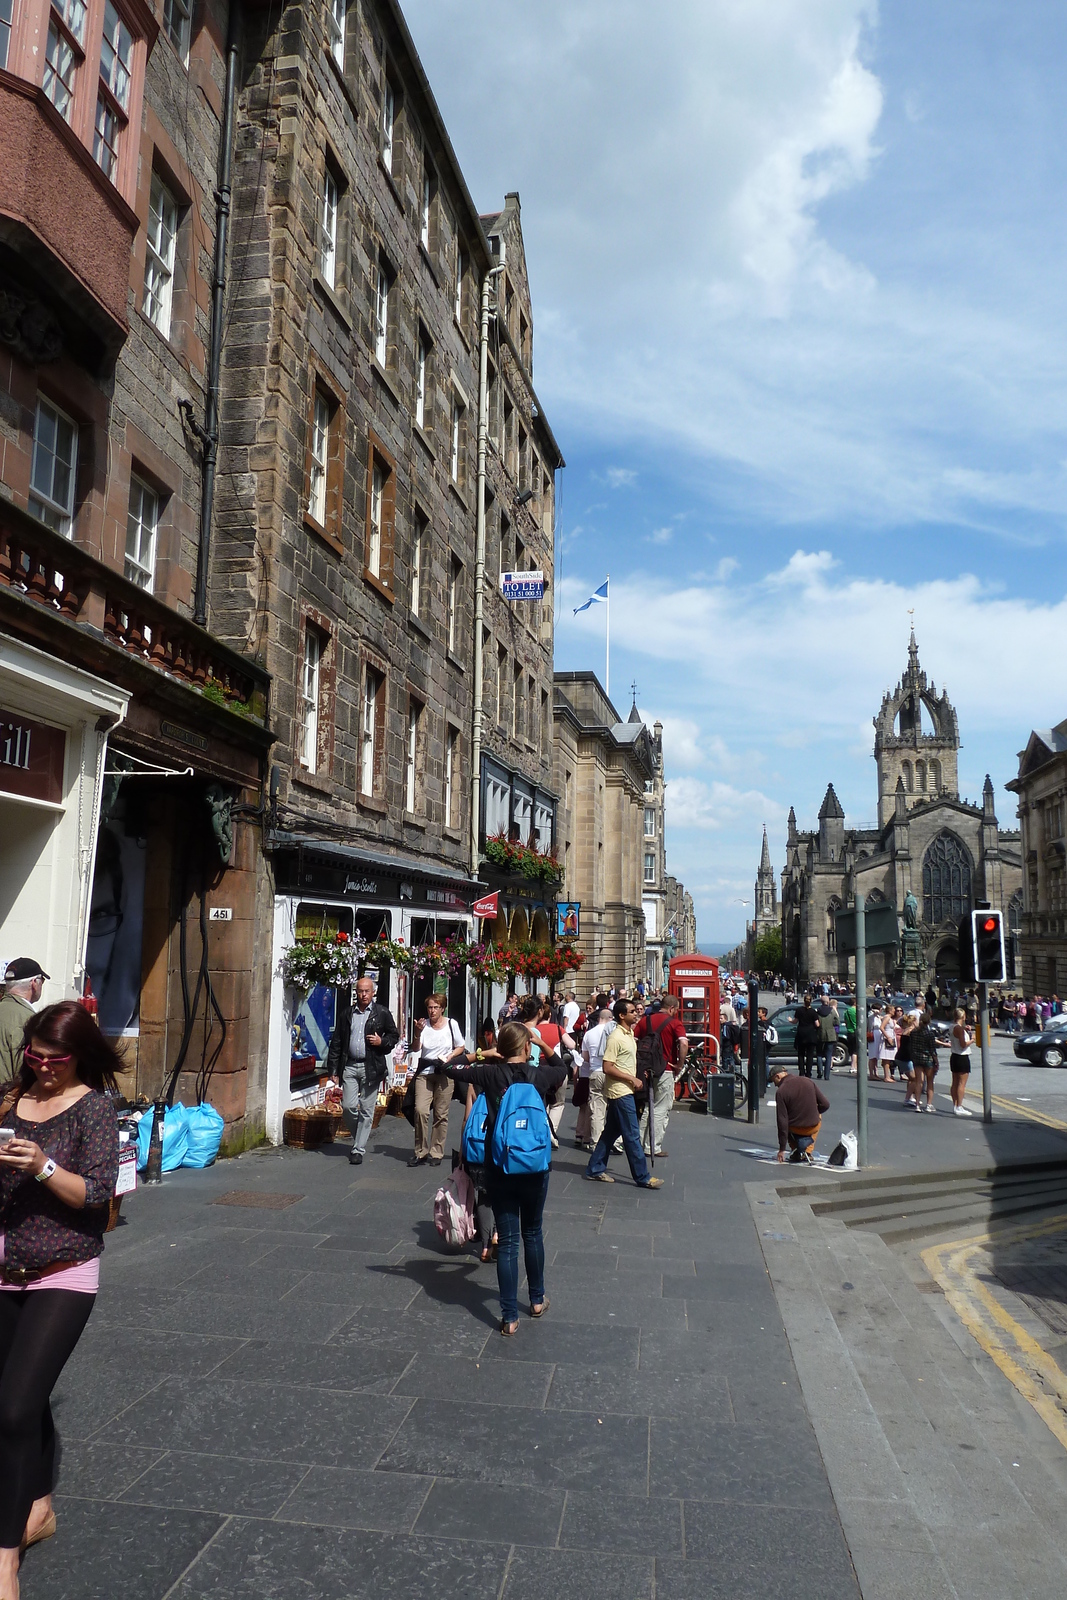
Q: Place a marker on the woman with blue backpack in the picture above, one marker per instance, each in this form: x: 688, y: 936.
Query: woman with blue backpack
x: 508, y: 1133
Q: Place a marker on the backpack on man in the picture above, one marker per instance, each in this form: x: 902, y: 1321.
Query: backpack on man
x: 652, y: 1060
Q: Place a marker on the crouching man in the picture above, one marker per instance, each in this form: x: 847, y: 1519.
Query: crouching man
x: 800, y: 1104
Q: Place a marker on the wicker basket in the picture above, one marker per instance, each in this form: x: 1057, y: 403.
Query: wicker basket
x: 307, y: 1128
x: 339, y: 1129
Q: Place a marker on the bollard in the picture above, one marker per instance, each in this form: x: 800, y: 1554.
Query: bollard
x: 756, y: 1085
x: 983, y: 1023
x: 861, y: 1032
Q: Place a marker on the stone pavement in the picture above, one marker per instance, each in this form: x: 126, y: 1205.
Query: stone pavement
x: 298, y: 1393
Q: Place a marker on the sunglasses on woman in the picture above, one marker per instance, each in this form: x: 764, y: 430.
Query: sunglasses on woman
x: 36, y: 1060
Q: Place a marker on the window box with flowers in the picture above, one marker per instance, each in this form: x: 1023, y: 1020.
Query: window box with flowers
x: 522, y: 860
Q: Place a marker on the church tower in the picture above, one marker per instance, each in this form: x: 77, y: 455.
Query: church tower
x: 923, y: 759
x: 766, y: 900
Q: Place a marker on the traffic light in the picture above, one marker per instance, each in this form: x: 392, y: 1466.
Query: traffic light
x: 965, y: 935
x: 988, y: 939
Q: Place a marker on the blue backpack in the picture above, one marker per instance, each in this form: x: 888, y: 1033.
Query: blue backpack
x: 473, y: 1146
x: 522, y: 1139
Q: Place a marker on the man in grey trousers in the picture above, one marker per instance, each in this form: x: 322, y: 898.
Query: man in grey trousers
x: 359, y: 1048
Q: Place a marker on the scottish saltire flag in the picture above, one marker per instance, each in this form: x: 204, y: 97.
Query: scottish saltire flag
x: 595, y: 598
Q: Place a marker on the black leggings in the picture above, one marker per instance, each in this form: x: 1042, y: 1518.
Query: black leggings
x: 805, y: 1058
x: 38, y: 1331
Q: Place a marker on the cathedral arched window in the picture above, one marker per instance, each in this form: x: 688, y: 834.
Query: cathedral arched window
x: 920, y: 776
x: 906, y: 774
x: 831, y: 925
x: 935, y: 776
x: 946, y: 880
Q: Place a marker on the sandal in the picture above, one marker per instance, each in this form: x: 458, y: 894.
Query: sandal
x: 539, y: 1311
x: 486, y: 1255
x: 45, y: 1531
x: 509, y: 1329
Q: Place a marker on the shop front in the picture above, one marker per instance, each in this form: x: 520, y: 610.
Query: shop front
x: 395, y: 908
x: 54, y: 726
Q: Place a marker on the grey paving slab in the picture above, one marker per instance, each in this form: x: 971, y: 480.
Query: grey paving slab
x: 227, y: 1484
x: 102, y: 1549
x: 510, y: 1445
x: 694, y: 1460
x: 513, y: 1383
x: 553, y: 1341
x: 564, y: 1574
x: 622, y: 1524
x: 344, y: 1497
x: 492, y: 1513
x: 787, y: 1551
x: 648, y: 1392
x: 246, y: 1316
x: 101, y: 1471
x: 373, y: 1365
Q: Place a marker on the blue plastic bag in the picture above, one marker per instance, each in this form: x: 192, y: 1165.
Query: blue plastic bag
x: 175, y: 1138
x: 205, y: 1127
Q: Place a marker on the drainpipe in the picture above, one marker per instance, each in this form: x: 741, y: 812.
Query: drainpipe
x: 479, y: 561
x: 209, y: 434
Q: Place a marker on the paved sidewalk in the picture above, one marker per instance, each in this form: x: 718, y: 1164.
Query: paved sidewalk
x: 314, y: 1400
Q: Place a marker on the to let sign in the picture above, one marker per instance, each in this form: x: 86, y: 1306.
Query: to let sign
x: 522, y: 585
x: 31, y: 758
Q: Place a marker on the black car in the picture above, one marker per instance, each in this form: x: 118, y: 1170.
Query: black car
x: 784, y: 1022
x: 1048, y: 1049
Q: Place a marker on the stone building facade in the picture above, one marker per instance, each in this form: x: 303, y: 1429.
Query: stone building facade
x: 654, y: 863
x: 945, y: 851
x: 136, y: 741
x: 602, y: 767
x: 1037, y: 917
x: 681, y: 920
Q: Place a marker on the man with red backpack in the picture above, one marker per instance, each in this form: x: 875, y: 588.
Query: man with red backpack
x: 664, y: 1049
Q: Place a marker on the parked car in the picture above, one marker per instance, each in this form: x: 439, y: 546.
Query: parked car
x: 1048, y: 1049
x: 784, y: 1022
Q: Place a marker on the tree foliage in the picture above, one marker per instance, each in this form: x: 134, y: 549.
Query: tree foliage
x: 767, y: 956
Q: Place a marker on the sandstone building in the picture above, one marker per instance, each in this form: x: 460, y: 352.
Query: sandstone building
x: 1038, y: 926
x: 945, y: 851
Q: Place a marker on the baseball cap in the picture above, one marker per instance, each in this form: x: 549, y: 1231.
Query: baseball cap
x: 22, y: 969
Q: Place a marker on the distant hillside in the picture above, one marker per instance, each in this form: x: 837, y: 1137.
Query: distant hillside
x: 715, y: 950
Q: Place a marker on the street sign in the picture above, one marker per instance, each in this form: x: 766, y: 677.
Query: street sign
x: 487, y: 906
x: 880, y: 933
x: 522, y: 585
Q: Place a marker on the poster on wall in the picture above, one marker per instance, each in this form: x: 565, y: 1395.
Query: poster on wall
x: 116, y: 922
x: 568, y: 919
x: 312, y: 1028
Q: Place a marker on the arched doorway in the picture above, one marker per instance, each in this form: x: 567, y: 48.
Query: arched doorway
x: 947, y: 966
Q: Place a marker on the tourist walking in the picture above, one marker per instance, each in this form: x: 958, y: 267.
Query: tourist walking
x: 591, y: 1116
x: 889, y: 1043
x: 874, y: 1045
x: 440, y: 1045
x: 668, y: 1028
x: 924, y: 1056
x: 807, y: 1036
x: 57, y: 1177
x: 960, y: 1061
x: 518, y: 1199
x: 358, y: 1059
x: 621, y: 1080
x: 24, y: 980
x: 827, y: 1037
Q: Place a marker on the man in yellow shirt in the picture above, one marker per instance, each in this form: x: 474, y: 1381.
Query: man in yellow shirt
x: 620, y: 1081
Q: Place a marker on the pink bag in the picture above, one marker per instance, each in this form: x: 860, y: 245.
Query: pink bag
x: 453, y: 1210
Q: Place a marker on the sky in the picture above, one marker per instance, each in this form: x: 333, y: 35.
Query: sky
x: 799, y: 300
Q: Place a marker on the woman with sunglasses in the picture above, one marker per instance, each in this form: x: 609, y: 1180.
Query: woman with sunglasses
x: 58, y: 1166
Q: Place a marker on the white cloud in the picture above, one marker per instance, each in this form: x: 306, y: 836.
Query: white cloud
x: 621, y: 477
x: 695, y: 803
x: 726, y: 566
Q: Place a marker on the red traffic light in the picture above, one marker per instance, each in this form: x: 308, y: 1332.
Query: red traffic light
x: 989, y: 925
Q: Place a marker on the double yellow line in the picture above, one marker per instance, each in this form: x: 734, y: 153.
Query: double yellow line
x: 1021, y: 1111
x: 1018, y: 1355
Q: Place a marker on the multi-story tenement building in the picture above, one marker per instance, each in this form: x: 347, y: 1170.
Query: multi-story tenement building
x: 1037, y: 915
x: 134, y: 739
x: 681, y: 920
x: 245, y: 291
x: 602, y: 767
x: 654, y: 863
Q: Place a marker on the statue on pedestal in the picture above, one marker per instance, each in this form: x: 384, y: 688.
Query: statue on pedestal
x: 912, y: 964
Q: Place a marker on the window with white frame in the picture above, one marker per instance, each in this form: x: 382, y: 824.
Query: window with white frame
x: 331, y: 198
x: 5, y: 30
x: 650, y: 867
x: 429, y: 186
x: 337, y: 17
x: 411, y: 755
x: 388, y: 126
x: 142, y: 525
x: 161, y: 236
x: 456, y: 464
x: 418, y: 539
x: 320, y: 458
x: 177, y: 25
x: 543, y: 826
x: 372, y: 688
x: 650, y: 822
x: 381, y: 312
x: 455, y: 573
x: 497, y: 806
x: 522, y: 815
x: 63, y: 53
x: 451, y: 758
x: 55, y: 466
x: 422, y: 377
x: 310, y: 684
x: 113, y: 93
x: 377, y: 503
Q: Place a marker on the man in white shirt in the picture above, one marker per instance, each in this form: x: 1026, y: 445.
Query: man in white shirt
x: 590, y: 1124
x: 571, y: 1012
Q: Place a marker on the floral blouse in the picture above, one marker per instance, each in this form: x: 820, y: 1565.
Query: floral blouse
x: 38, y: 1227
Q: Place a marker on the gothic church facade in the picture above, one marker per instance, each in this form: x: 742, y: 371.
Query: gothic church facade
x: 946, y: 851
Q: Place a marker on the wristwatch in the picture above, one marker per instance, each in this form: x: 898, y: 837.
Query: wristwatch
x: 46, y: 1171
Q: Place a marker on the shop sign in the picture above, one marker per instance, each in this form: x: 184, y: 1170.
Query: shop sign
x: 522, y: 585
x: 568, y: 919
x: 31, y: 758
x: 487, y: 906
x: 361, y: 886
x: 186, y: 736
x: 445, y: 897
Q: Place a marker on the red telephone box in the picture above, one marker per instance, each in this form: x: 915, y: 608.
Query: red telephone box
x: 695, y: 980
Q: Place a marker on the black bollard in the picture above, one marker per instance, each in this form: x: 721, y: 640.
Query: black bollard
x: 756, y: 1083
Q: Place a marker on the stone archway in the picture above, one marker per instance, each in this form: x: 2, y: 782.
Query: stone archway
x: 946, y: 964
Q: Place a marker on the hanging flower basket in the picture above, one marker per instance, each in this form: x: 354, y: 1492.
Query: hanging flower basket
x: 330, y: 959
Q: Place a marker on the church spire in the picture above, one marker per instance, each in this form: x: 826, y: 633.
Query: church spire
x: 765, y: 858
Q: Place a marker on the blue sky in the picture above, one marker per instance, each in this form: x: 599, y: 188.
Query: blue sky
x: 799, y: 296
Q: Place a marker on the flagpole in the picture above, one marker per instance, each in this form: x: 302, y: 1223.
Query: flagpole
x: 607, y: 637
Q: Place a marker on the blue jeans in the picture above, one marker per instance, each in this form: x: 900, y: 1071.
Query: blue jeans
x: 826, y: 1051
x: 620, y: 1122
x: 518, y: 1205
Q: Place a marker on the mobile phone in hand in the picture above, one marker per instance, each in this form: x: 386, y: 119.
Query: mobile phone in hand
x: 6, y: 1135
